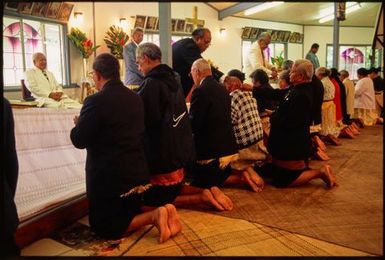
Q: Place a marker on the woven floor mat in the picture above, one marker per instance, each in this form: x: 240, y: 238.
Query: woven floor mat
x: 205, y: 234
x: 350, y: 215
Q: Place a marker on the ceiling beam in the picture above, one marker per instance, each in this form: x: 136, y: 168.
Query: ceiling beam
x: 236, y: 9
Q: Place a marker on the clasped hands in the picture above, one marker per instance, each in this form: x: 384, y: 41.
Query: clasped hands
x: 56, y: 95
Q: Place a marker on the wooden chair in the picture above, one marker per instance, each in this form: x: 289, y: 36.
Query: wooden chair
x: 26, y: 94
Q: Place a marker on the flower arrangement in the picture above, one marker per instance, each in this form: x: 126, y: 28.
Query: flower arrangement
x: 115, y: 39
x: 278, y: 60
x: 80, y: 41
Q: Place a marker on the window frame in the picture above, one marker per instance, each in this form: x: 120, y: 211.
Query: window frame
x: 63, y: 40
x: 351, y: 46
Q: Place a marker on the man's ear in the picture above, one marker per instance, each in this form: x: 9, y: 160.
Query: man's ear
x: 97, y: 75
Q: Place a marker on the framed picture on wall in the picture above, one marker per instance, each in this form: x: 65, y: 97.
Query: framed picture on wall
x: 11, y: 6
x: 246, y: 33
x: 180, y: 25
x: 274, y: 36
x: 253, y: 33
x: 151, y: 23
x: 293, y: 37
x: 65, y: 11
x: 173, y: 24
x: 286, y: 36
x: 40, y: 8
x: 189, y: 28
x: 299, y: 38
x: 25, y: 7
x: 53, y: 9
x: 281, y: 35
x: 140, y: 21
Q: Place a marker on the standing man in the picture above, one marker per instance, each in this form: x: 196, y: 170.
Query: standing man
x: 10, y: 176
x: 312, y: 57
x: 44, y: 87
x: 256, y: 58
x: 133, y: 77
x: 188, y: 50
x: 110, y: 127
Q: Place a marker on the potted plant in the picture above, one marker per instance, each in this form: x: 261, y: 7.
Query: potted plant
x: 82, y: 43
x: 278, y: 61
x: 115, y: 39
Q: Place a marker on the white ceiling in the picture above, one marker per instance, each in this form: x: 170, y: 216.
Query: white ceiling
x: 306, y: 13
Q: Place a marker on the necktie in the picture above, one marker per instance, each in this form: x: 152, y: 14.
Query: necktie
x: 263, y: 58
x: 45, y: 74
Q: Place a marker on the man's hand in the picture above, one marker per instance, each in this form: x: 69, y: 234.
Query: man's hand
x: 56, y: 95
x: 76, y: 120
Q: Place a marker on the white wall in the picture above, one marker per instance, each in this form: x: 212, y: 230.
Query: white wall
x: 323, y: 35
x: 225, y: 51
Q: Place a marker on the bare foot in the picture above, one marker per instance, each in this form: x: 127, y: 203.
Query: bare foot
x: 322, y: 155
x: 253, y: 179
x: 328, y: 176
x: 319, y: 143
x: 161, y: 224
x: 173, y: 220
x: 209, y: 199
x: 222, y: 199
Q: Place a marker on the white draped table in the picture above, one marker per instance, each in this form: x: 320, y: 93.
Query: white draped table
x: 51, y: 169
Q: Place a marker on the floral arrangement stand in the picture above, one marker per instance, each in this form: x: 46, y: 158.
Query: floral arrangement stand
x: 86, y: 48
x: 115, y: 40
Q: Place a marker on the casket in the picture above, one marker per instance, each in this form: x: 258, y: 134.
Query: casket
x: 51, y: 185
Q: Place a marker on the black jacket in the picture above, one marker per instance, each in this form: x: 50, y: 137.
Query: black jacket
x: 210, y: 114
x: 318, y: 95
x: 289, y: 137
x: 168, y: 140
x: 184, y: 53
x: 10, y: 175
x: 111, y: 128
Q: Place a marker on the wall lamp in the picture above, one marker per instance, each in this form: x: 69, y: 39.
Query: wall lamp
x: 123, y: 23
x: 78, y: 18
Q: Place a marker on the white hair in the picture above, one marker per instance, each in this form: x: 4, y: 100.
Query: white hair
x: 201, y: 65
x: 305, y: 68
x: 37, y: 54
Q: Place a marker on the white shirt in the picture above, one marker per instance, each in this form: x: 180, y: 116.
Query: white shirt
x: 364, y: 96
x: 256, y: 60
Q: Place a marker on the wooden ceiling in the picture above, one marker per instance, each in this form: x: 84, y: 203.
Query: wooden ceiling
x: 304, y: 13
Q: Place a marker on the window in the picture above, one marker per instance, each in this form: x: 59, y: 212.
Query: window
x: 353, y: 57
x: 23, y: 37
x: 274, y: 49
x: 154, y: 38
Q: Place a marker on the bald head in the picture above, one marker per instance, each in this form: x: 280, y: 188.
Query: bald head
x: 301, y: 72
x: 39, y: 60
x: 200, y: 69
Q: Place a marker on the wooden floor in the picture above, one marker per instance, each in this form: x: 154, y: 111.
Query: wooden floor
x: 257, y: 226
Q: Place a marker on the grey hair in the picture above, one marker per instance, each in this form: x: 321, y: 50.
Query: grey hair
x: 37, y: 54
x: 149, y: 49
x: 322, y: 71
x: 137, y: 29
x: 201, y: 65
x: 287, y: 64
x: 264, y: 36
x: 305, y: 68
x: 285, y: 75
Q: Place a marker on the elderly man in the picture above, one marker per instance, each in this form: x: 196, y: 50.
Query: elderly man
x: 133, y: 77
x: 110, y: 127
x: 44, y: 86
x: 166, y: 120
x: 256, y: 58
x: 312, y: 57
x: 215, y: 143
x: 289, y: 141
x: 186, y: 51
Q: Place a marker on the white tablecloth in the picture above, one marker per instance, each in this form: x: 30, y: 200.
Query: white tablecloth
x: 51, y: 169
